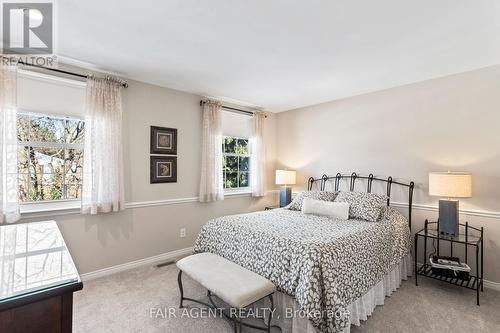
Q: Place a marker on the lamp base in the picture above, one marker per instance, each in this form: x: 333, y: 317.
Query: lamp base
x: 285, y: 196
x: 448, y: 217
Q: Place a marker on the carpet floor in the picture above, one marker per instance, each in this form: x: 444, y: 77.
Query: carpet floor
x: 139, y: 301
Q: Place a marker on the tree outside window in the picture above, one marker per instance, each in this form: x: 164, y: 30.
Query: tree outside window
x: 50, y: 157
x: 235, y: 162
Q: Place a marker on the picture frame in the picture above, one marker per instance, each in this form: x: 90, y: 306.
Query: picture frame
x: 163, y: 140
x: 163, y: 169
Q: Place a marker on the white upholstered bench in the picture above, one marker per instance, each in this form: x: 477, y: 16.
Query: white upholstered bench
x: 235, y: 285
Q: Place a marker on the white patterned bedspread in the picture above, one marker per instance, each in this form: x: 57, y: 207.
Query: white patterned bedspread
x: 325, y: 263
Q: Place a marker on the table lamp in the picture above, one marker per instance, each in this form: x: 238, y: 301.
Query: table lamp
x: 449, y: 185
x: 285, y: 177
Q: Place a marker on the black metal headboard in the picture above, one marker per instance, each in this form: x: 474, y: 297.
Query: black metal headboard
x: 370, y: 179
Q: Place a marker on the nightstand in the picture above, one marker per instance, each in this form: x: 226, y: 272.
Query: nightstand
x: 271, y: 207
x: 469, y: 237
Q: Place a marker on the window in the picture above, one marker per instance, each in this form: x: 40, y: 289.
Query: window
x: 236, y: 162
x: 50, y: 157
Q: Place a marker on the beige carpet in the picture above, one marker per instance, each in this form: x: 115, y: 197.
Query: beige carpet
x: 122, y: 303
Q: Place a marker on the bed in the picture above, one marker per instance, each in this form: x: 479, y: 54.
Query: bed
x: 322, y: 266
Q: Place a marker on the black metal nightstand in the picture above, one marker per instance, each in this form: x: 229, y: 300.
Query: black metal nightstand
x: 271, y: 207
x: 468, y: 237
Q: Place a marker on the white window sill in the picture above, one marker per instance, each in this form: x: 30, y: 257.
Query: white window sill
x: 40, y: 209
x: 238, y: 192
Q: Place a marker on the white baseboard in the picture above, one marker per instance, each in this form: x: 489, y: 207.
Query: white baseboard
x: 492, y: 285
x: 136, y: 263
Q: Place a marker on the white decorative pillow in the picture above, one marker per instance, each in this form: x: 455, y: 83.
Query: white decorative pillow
x: 296, y: 203
x: 325, y: 208
x: 364, y: 206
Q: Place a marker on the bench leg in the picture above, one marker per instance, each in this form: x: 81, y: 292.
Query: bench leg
x: 179, y: 281
x: 271, y: 308
x: 236, y: 322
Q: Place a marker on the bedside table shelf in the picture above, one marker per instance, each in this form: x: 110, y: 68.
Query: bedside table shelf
x: 472, y: 283
x: 469, y: 237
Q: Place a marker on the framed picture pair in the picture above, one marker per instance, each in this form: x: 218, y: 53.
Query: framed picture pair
x: 163, y: 169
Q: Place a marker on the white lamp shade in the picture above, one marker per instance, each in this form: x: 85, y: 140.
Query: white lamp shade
x: 450, y: 184
x: 285, y: 177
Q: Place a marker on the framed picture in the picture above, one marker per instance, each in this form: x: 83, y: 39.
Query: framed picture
x: 163, y: 169
x: 163, y: 140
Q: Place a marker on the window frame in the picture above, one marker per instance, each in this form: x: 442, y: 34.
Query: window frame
x: 27, y: 207
x: 236, y: 190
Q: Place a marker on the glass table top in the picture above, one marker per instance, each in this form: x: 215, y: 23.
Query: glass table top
x: 473, y: 236
x: 33, y: 257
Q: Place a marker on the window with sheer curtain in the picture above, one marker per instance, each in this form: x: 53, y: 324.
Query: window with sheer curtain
x: 236, y: 152
x: 243, y: 153
x: 67, y: 135
x: 50, y: 137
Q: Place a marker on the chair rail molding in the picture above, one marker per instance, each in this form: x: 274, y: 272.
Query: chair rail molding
x: 175, y: 201
x: 131, y: 205
x: 468, y: 212
x: 417, y: 206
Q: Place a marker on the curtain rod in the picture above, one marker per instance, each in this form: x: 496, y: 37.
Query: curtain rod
x: 124, y: 84
x: 250, y: 113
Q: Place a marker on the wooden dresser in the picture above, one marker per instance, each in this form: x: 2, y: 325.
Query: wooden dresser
x: 37, y: 279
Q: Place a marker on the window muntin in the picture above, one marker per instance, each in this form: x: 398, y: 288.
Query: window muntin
x: 50, y: 157
x: 235, y: 162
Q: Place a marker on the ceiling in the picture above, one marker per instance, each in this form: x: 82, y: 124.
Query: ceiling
x: 281, y: 54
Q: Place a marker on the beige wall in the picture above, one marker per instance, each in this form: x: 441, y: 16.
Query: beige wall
x: 98, y: 242
x: 447, y: 123
x: 405, y: 132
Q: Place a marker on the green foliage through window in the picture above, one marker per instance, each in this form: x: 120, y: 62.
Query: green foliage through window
x: 50, y: 157
x: 235, y: 162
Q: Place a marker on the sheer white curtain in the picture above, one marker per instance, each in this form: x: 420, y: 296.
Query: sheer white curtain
x: 9, y: 197
x: 258, y: 156
x: 103, y: 156
x: 8, y: 238
x: 211, y: 182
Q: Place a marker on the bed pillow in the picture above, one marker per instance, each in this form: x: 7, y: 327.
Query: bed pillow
x: 364, y: 206
x: 325, y: 208
x: 296, y: 203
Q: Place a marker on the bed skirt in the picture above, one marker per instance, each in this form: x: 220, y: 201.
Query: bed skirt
x: 360, y: 309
